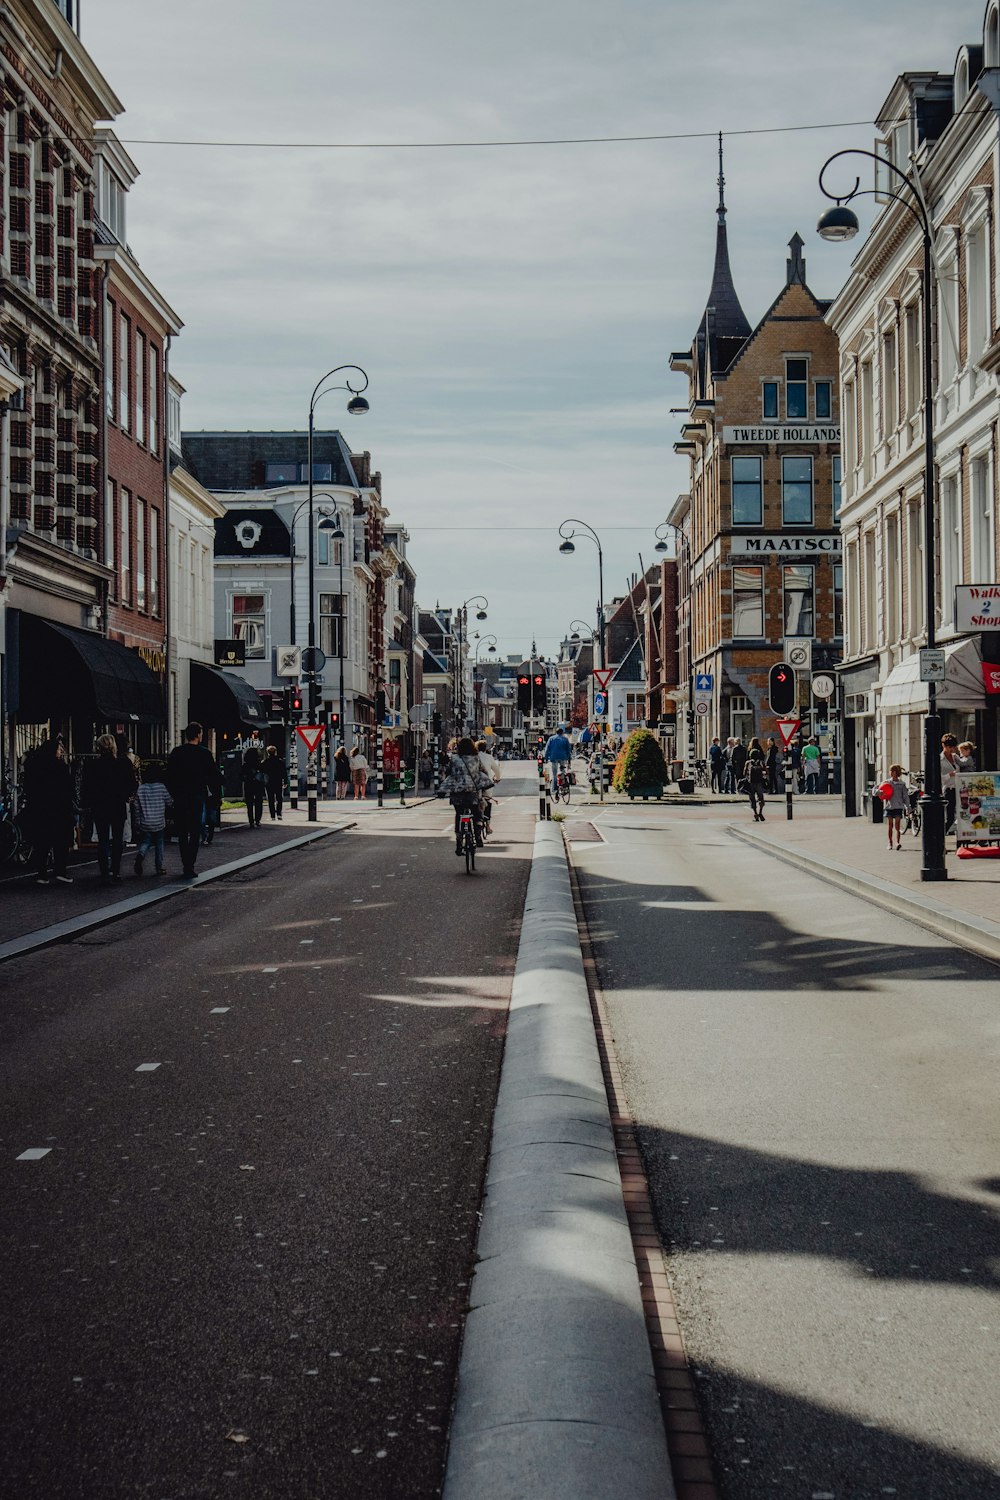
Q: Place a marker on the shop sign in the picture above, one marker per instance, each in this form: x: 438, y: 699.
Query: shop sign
x: 791, y: 432
x: 230, y: 653
x: 154, y: 658
x: 977, y: 606
x: 780, y: 543
x: 991, y: 677
x: 977, y: 815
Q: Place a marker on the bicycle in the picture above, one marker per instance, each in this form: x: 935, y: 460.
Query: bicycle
x: 701, y: 773
x: 467, y: 839
x: 562, y: 782
x: 914, y: 817
x: 15, y: 845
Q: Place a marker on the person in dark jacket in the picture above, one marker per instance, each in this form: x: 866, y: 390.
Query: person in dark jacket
x: 275, y: 775
x: 773, y: 759
x: 193, y: 780
x: 755, y: 773
x: 48, y: 809
x: 109, y: 784
x: 253, y: 785
x: 739, y: 760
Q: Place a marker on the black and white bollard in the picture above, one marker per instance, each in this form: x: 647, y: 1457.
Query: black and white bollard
x: 788, y: 786
x: 379, y: 763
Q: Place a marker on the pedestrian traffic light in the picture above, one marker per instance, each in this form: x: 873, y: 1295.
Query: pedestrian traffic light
x: 295, y: 700
x: 538, y: 693
x: 781, y: 689
x: 524, y: 692
x: 436, y: 723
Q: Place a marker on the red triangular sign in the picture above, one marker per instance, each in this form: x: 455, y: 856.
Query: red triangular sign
x: 310, y: 734
x: 788, y: 729
x: 603, y: 676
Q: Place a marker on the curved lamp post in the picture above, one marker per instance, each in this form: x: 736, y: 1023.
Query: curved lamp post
x: 838, y: 224
x: 490, y: 642
x: 356, y: 406
x: 566, y: 547
x: 482, y: 605
x: 327, y: 522
x: 663, y: 546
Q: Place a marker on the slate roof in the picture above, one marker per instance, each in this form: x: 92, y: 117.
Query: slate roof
x: 227, y: 461
x: 632, y: 668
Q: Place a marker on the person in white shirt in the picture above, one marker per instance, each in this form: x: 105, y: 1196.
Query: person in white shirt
x: 491, y: 766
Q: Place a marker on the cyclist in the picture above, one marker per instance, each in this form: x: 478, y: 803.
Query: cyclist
x: 557, y: 754
x: 491, y: 766
x: 464, y: 783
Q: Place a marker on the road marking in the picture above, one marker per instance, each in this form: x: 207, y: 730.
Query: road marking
x: 272, y: 970
x: 147, y: 1067
x: 34, y: 1153
x: 218, y: 1010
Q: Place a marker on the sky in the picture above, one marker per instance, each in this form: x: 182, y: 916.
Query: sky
x: 514, y: 306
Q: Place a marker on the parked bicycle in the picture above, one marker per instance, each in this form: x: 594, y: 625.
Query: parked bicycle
x: 15, y: 845
x: 701, y: 775
x: 914, y: 817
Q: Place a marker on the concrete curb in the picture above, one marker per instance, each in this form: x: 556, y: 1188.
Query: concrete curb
x: 61, y: 932
x: 969, y: 931
x: 556, y: 1392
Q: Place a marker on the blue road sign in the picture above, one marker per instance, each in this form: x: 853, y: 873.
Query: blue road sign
x: 703, y: 682
x: 600, y: 704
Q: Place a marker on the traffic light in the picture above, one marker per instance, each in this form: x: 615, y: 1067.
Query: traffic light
x: 538, y: 693
x: 380, y: 707
x: 295, y: 700
x: 781, y: 689
x: 436, y: 724
x: 524, y: 692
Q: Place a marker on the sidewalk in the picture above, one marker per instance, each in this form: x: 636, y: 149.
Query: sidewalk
x: 853, y: 853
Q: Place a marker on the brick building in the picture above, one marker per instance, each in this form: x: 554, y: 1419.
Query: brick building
x: 759, y: 523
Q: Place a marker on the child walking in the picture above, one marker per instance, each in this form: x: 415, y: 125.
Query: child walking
x: 896, y: 804
x: 153, y: 800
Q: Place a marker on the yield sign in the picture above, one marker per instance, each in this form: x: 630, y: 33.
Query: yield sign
x: 603, y: 676
x: 311, y: 734
x: 787, y: 728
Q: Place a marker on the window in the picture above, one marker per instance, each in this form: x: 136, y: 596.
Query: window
x: 796, y: 491
x: 281, y: 473
x: 869, y: 596
x: 329, y: 549
x: 836, y: 488
x: 153, y: 369
x: 981, y: 521
x: 140, y: 388
x: 890, y: 377
x: 867, y: 394
x: 796, y: 373
x: 748, y: 603
x: 852, y: 644
x: 824, y: 400
x: 322, y: 473
x: 635, y: 707
x: 111, y: 201
x: 838, y: 599
x: 797, y: 579
x: 109, y: 525
x: 741, y: 718
x: 978, y: 297
x: 951, y: 544
x: 154, y: 560
x: 125, y: 545
x: 914, y: 570
x: 124, y: 344
x: 174, y: 413
x: 249, y: 624
x: 891, y: 574
x: 770, y: 399
x: 109, y: 358
x: 331, y: 624
x: 913, y: 369
x: 140, y: 553
x: 748, y: 504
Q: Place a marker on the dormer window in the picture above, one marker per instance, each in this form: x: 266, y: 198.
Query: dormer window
x: 111, y: 200
x: 71, y: 10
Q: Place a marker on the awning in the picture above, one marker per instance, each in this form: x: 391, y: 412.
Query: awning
x: 904, y: 693
x: 65, y: 671
x: 222, y: 700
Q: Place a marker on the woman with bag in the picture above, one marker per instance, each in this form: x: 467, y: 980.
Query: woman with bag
x: 341, y: 772
x: 109, y: 784
x: 464, y: 784
x: 359, y: 773
x: 754, y: 780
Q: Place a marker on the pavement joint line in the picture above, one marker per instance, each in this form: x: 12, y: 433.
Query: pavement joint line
x: 101, y: 916
x: 965, y: 929
x: 659, y: 1307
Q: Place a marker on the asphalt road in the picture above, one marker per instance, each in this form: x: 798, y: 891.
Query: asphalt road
x: 241, y: 1267
x: 815, y: 1087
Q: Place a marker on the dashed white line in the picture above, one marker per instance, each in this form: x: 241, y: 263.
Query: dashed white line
x: 218, y: 1010
x: 147, y: 1067
x: 34, y: 1153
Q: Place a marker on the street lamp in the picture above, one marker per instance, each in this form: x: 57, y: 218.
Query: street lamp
x: 663, y: 546
x: 337, y: 535
x: 838, y: 224
x: 483, y: 605
x: 357, y: 406
x: 566, y: 547
x: 293, y: 752
x: 490, y: 642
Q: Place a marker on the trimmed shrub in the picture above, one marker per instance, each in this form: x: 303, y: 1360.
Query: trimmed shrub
x: 640, y: 762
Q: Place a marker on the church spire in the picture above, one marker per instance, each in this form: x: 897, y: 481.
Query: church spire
x: 724, y: 317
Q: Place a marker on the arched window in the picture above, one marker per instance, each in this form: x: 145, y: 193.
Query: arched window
x: 961, y: 83
x: 991, y: 38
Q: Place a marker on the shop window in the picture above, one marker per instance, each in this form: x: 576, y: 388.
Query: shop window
x: 797, y: 581
x: 796, y: 491
x: 748, y: 501
x: 250, y: 624
x: 748, y: 603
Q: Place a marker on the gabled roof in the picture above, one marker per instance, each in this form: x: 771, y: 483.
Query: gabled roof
x: 633, y: 667
x: 795, y: 275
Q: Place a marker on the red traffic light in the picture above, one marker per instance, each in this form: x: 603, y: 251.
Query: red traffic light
x: 523, y: 681
x: 539, y: 681
x: 781, y: 688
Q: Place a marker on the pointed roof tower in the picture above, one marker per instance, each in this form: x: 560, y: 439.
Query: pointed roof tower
x: 724, y: 327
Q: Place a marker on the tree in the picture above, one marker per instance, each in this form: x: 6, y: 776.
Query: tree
x: 640, y: 763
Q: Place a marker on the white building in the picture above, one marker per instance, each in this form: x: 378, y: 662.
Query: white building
x: 190, y: 545
x: 943, y: 127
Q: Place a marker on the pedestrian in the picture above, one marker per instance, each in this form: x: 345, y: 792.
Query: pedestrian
x: 966, y: 756
x: 949, y: 777
x: 755, y: 778
x: 152, y: 800
x: 728, y: 780
x: 48, y: 809
x: 426, y: 771
x: 716, y: 765
x: 359, y: 773
x: 275, y: 773
x: 773, y: 760
x: 252, y: 775
x: 739, y: 761
x: 194, y: 782
x: 811, y: 766
x: 109, y: 784
x: 896, y: 803
x: 796, y: 758
x: 341, y: 773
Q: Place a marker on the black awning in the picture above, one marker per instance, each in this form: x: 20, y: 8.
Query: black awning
x: 68, y: 671
x: 222, y: 700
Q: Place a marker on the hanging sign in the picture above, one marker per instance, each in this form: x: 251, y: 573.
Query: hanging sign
x: 310, y: 734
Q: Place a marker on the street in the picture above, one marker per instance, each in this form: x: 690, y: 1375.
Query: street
x: 266, y: 1105
x: 814, y: 1086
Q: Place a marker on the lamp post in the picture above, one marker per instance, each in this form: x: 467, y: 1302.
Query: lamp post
x: 338, y: 535
x: 838, y: 224
x: 566, y: 547
x: 357, y: 406
x: 293, y: 749
x: 490, y: 642
x: 661, y: 546
x: 483, y: 605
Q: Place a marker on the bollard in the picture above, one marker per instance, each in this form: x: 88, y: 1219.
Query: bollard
x: 379, y: 763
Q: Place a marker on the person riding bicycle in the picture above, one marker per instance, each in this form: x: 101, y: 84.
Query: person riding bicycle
x: 557, y: 754
x: 491, y: 766
x: 464, y: 783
